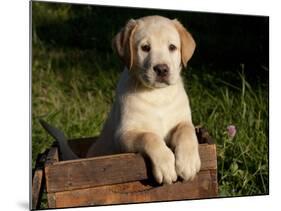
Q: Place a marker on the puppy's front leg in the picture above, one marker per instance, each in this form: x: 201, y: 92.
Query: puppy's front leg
x: 185, y: 145
x: 150, y: 144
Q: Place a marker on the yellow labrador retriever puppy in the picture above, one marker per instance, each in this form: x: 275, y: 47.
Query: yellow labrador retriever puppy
x: 151, y: 113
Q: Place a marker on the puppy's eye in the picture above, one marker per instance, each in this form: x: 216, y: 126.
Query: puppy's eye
x: 172, y: 47
x: 145, y: 48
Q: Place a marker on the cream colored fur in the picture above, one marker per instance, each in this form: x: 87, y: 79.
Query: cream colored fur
x: 148, y: 116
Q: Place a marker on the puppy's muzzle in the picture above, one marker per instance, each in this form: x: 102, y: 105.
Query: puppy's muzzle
x: 162, y: 72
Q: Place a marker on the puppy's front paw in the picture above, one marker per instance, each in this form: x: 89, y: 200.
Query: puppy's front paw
x: 163, y: 166
x: 188, y: 161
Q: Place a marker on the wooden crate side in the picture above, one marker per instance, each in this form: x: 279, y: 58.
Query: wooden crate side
x: 36, y: 187
x: 137, y: 192
x: 208, y: 156
x: 214, y: 178
x: 106, y: 170
x: 51, y: 200
x: 214, y: 173
x: 52, y: 158
x: 91, y: 172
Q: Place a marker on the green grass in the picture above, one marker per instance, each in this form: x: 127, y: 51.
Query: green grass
x: 76, y: 98
x: 73, y: 98
x: 243, y: 160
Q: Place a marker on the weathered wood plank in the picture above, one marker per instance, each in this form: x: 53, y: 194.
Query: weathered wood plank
x: 138, y: 191
x: 51, y: 200
x: 38, y: 180
x: 83, y: 173
x: 36, y: 187
x: 52, y: 158
x: 214, y: 181
x: 107, y: 170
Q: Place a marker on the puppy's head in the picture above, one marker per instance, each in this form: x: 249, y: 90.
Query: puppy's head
x: 154, y: 49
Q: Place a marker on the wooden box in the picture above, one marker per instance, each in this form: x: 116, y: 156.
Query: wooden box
x: 117, y: 179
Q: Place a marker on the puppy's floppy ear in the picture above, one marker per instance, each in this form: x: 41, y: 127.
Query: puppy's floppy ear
x: 122, y: 43
x: 187, y: 42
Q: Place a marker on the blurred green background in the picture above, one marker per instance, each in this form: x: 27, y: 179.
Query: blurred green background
x: 74, y: 75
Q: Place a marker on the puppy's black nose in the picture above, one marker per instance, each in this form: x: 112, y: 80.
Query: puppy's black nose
x: 162, y: 70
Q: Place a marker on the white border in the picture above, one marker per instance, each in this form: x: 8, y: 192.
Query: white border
x: 14, y: 110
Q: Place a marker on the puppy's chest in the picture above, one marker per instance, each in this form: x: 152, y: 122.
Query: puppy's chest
x: 155, y: 113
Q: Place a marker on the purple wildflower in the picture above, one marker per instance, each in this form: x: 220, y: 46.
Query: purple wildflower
x: 231, y: 131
